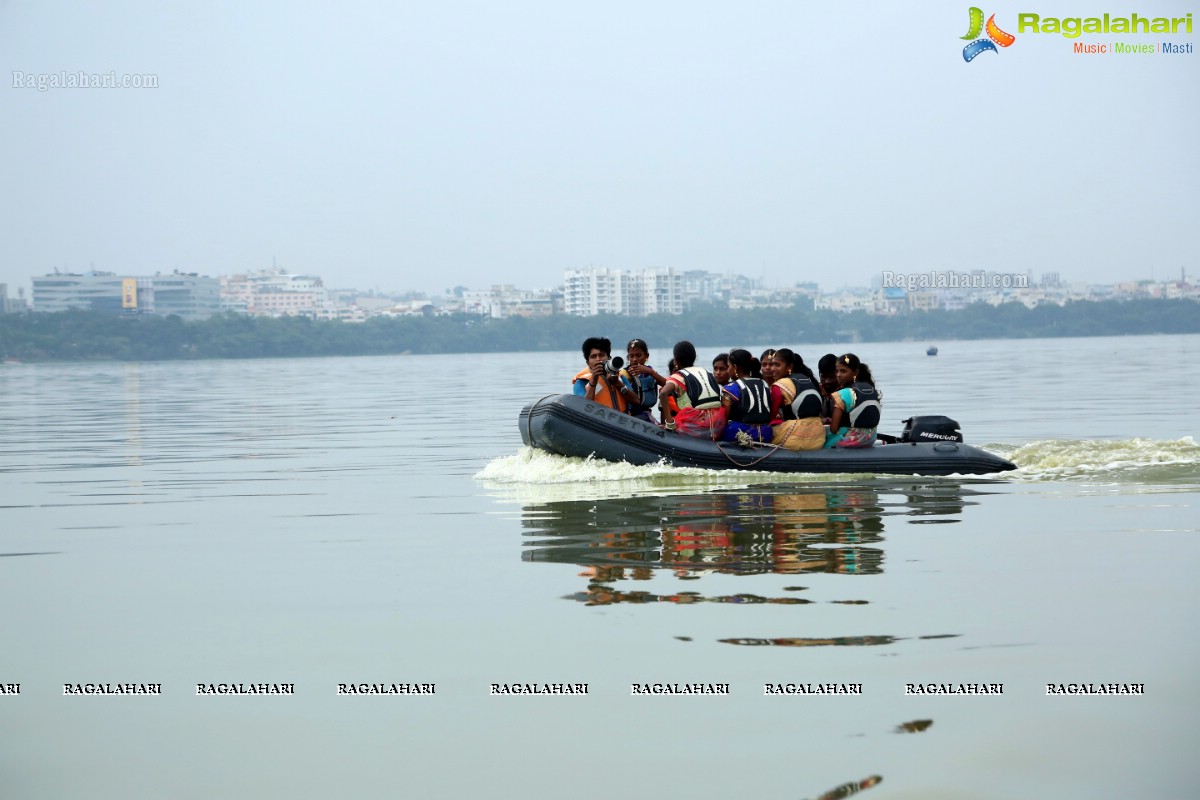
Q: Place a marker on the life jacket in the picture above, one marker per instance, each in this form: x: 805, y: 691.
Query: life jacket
x: 603, y: 395
x: 646, y: 388
x: 703, y: 391
x: 754, y: 402
x: 807, y: 402
x: 867, y: 411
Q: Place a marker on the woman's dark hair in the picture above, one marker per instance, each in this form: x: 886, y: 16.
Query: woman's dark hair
x: 755, y: 368
x: 671, y: 370
x: 596, y: 343
x: 788, y: 357
x: 685, y: 354
x: 743, y: 361
x: 862, y: 371
x: 828, y: 364
x: 796, y: 363
x: 721, y: 357
x: 770, y: 351
x: 640, y: 344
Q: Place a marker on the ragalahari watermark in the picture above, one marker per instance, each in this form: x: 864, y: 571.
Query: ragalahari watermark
x: 44, y: 81
x: 948, y: 279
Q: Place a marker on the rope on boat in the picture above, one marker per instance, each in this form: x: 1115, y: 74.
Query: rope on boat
x: 773, y: 449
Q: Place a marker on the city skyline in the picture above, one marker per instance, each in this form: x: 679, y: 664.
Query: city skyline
x: 657, y: 291
x: 883, y: 279
x: 427, y: 147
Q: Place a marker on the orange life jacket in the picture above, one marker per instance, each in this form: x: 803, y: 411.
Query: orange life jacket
x: 603, y: 395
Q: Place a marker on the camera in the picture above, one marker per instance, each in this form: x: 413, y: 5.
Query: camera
x: 613, y: 365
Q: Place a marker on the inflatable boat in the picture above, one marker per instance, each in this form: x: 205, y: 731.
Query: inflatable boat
x: 568, y: 425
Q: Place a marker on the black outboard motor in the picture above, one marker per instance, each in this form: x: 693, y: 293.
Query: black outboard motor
x: 931, y: 429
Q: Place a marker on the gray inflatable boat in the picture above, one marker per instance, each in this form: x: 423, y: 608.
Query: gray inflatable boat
x: 568, y: 425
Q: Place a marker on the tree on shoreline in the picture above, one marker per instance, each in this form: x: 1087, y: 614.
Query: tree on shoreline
x: 92, y: 336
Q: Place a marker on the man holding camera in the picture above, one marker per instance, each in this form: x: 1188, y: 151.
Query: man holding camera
x: 601, y: 381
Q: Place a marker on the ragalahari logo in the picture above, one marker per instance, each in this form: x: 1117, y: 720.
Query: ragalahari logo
x: 994, y: 34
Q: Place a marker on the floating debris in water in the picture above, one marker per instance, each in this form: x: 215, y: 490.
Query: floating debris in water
x: 854, y: 787
x: 915, y: 726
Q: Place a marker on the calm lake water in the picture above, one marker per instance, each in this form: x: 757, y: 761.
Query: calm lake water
x: 329, y: 521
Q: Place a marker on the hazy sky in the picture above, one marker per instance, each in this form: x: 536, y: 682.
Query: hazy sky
x: 426, y: 145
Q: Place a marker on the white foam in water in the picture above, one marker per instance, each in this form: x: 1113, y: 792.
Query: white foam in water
x: 528, y: 465
x: 1121, y: 459
x: 532, y: 475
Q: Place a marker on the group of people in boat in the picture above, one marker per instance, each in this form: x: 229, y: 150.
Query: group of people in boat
x: 773, y: 399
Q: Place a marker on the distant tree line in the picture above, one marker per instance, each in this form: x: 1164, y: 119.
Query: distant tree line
x: 82, y: 335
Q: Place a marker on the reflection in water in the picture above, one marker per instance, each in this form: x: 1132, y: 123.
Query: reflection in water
x: 132, y: 384
x: 837, y: 641
x: 827, y: 528
x: 823, y: 529
x: 600, y: 594
x: 779, y: 529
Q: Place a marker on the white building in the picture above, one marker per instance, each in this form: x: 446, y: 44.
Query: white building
x: 276, y: 293
x: 597, y: 290
x: 656, y: 291
x: 185, y: 294
x: 11, y: 305
x: 505, y: 300
x: 600, y: 290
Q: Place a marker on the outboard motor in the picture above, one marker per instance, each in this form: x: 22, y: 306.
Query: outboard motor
x: 931, y: 429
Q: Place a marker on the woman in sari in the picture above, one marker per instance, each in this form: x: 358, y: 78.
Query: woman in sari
x: 697, y: 394
x: 747, y: 401
x: 856, y: 406
x: 800, y: 426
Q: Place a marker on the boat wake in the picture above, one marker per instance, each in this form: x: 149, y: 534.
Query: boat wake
x: 535, y: 476
x: 532, y: 466
x: 550, y: 477
x: 1110, y: 461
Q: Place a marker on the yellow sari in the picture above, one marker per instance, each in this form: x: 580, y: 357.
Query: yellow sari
x: 796, y: 434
